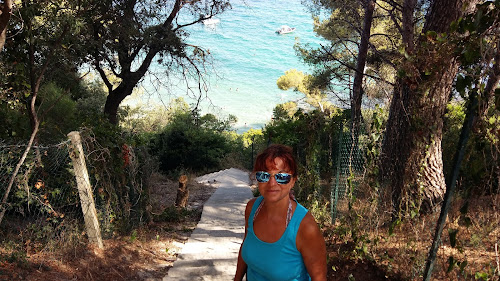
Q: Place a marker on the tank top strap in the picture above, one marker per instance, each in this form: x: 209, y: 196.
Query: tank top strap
x: 255, y: 206
x: 299, y: 213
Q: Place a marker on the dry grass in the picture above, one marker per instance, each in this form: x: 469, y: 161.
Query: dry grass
x: 359, y: 245
x: 146, y: 254
x: 364, y: 234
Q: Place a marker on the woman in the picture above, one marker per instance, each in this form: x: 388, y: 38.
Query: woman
x: 282, y: 240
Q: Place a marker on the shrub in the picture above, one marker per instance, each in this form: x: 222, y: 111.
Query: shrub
x: 187, y: 143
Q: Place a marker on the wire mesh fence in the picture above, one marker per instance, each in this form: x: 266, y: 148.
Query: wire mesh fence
x: 332, y: 165
x: 79, y: 189
x: 349, y: 171
x: 42, y: 200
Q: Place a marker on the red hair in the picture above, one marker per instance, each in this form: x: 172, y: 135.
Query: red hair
x: 283, y: 152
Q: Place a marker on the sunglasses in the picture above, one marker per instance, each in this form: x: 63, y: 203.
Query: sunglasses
x: 281, y: 178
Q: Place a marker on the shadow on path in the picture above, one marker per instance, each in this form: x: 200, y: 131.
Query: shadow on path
x: 211, y: 251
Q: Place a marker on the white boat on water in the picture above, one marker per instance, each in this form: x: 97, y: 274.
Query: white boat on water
x: 210, y: 21
x: 284, y: 29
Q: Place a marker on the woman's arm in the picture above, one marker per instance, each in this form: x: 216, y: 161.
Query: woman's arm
x: 241, y: 267
x: 311, y: 245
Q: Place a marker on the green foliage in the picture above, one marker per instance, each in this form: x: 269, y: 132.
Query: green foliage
x: 44, y: 187
x: 479, y: 161
x: 341, y: 24
x: 60, y: 116
x: 251, y: 136
x: 60, y: 111
x: 305, y: 84
x: 319, y: 208
x: 15, y: 123
x: 126, y: 38
x: 17, y: 257
x: 453, y: 123
x: 312, y: 135
x: 120, y: 167
x: 41, y: 31
x: 192, y: 143
x: 474, y: 38
x: 484, y: 276
x: 374, y: 137
x: 133, y: 235
x: 292, y: 79
x: 150, y: 121
x: 244, y: 148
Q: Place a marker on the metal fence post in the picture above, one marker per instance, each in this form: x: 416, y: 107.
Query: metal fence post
x: 84, y: 189
x: 334, y: 194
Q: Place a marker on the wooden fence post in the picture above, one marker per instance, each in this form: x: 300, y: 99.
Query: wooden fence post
x: 84, y: 189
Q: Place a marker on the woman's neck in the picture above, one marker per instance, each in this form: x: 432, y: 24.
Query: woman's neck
x: 277, y: 208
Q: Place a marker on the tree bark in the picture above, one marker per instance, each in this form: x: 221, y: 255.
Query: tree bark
x: 5, y: 13
x: 411, y: 152
x: 127, y: 85
x: 115, y: 97
x: 357, y: 87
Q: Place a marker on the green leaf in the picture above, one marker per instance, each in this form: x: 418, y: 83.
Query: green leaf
x: 442, y: 37
x: 470, y: 55
x: 451, y: 264
x: 497, y: 99
x: 481, y: 275
x: 467, y: 221
x: 462, y: 266
x: 393, y: 226
x: 461, y: 84
x: 407, y: 56
x: 453, y: 237
x: 401, y: 73
x: 454, y: 26
x: 464, y: 208
x: 431, y: 34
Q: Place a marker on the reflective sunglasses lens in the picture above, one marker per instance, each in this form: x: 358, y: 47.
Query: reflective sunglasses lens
x: 283, y: 178
x: 262, y: 176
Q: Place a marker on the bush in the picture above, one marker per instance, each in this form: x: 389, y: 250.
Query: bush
x: 478, y: 170
x: 188, y: 144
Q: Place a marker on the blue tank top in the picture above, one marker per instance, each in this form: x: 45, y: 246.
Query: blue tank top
x: 278, y: 261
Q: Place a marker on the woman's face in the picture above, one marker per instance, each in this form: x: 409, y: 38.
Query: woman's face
x: 271, y: 190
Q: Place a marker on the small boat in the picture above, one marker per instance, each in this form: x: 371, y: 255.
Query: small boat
x: 284, y: 29
x: 210, y: 21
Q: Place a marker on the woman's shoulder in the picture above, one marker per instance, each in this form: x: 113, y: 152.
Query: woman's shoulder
x: 308, y: 227
x: 308, y: 232
x: 250, y: 205
x: 251, y: 202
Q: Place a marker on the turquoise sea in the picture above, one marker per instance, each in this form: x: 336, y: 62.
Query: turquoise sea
x: 249, y: 57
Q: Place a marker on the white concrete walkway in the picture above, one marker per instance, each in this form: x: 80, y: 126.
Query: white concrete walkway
x: 211, y: 252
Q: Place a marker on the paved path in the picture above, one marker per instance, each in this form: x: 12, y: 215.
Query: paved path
x: 211, y: 251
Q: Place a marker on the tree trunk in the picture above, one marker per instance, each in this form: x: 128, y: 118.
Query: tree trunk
x: 357, y: 87
x: 5, y: 13
x: 115, y: 98
x: 411, y: 153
